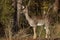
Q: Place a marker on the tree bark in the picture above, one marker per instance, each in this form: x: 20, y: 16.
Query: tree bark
x: 19, y: 2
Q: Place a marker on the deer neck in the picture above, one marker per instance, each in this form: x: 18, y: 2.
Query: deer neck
x: 26, y: 15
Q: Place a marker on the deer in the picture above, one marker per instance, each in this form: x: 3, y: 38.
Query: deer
x: 37, y: 21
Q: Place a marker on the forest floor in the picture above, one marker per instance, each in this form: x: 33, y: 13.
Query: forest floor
x: 56, y: 36
x: 28, y: 38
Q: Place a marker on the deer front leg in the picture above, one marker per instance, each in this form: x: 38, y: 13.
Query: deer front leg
x: 34, y: 35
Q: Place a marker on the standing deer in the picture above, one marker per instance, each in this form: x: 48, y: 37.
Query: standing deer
x: 37, y: 21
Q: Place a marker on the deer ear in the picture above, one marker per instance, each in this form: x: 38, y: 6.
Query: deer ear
x: 23, y: 7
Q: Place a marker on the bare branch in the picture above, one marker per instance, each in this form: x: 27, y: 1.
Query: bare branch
x: 28, y: 3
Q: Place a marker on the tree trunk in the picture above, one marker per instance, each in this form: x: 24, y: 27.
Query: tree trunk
x: 19, y: 2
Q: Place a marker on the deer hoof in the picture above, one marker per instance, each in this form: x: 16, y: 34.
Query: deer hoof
x: 34, y: 37
x: 46, y: 37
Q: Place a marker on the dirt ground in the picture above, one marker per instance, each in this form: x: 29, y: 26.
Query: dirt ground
x: 29, y: 38
x: 38, y: 38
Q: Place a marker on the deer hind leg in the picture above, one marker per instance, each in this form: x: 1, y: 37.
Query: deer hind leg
x: 34, y: 35
x: 47, y: 31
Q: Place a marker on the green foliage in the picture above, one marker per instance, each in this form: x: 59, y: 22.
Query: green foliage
x: 7, y: 11
x: 41, y: 31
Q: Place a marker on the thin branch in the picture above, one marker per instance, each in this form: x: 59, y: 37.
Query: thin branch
x: 28, y: 3
x: 55, y: 4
